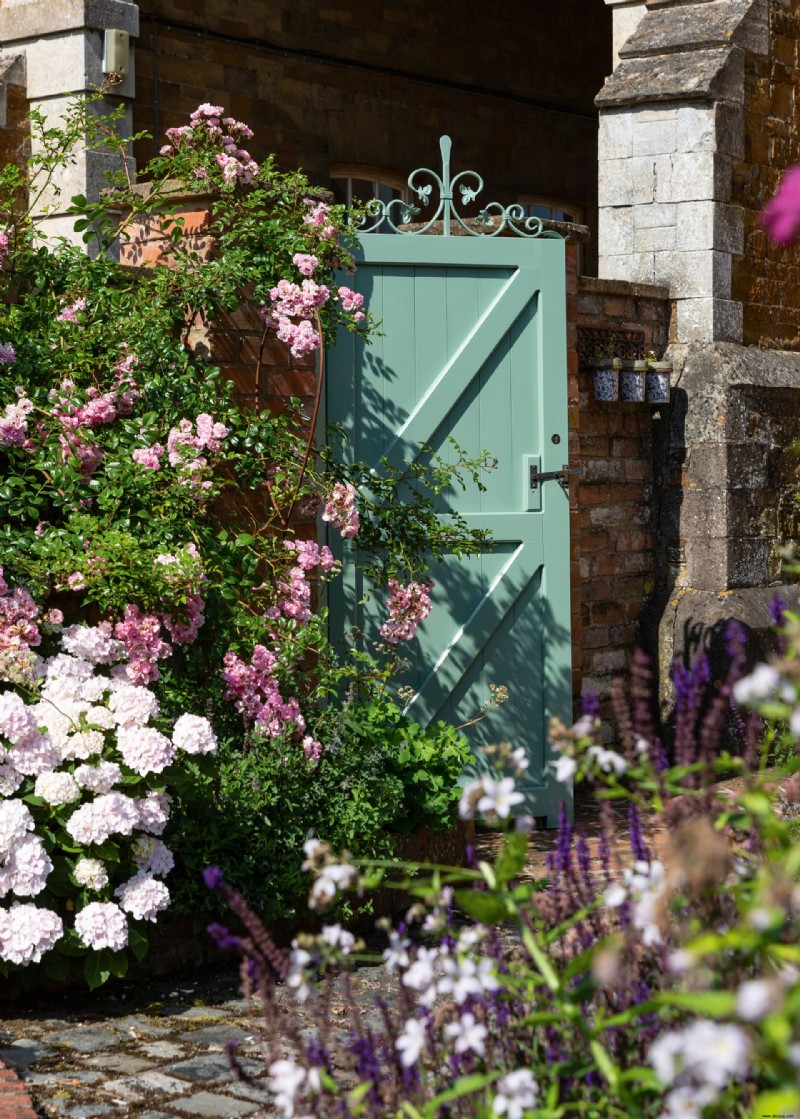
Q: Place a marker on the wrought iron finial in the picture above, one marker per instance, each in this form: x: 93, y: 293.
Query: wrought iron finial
x: 493, y: 219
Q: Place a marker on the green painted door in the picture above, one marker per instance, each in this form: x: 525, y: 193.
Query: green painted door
x: 473, y: 345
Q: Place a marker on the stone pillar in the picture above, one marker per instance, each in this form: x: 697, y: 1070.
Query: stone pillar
x: 626, y: 16
x: 61, y: 42
x: 671, y: 129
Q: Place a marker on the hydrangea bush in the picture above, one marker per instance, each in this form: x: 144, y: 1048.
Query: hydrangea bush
x: 162, y: 566
x: 658, y: 983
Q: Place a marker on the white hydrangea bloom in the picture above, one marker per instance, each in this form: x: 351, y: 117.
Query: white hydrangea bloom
x: 34, y: 754
x: 102, y: 924
x: 15, y: 823
x: 152, y: 855
x: 99, y: 778
x: 143, y: 897
x: 144, y: 749
x: 95, y: 644
x: 17, y: 720
x: 26, y: 868
x: 194, y: 734
x: 91, y: 873
x: 107, y: 815
x: 27, y: 932
x: 10, y: 779
x: 132, y: 705
x: 57, y: 788
x: 101, y: 718
x: 153, y: 812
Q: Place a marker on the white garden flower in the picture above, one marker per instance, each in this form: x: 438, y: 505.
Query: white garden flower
x: 565, y: 768
x: 296, y: 978
x: 396, y: 955
x: 607, y: 759
x: 411, y: 1042
x: 337, y: 937
x: 515, y: 1093
x: 143, y: 896
x: 757, y: 997
x: 469, y: 1035
x: 91, y: 873
x: 194, y: 735
x: 15, y: 823
x: 499, y: 797
x: 26, y: 869
x: 27, y: 932
x: 702, y: 1053
x: 57, y: 788
x: 421, y: 975
x: 764, y: 682
x: 286, y: 1078
x: 102, y: 924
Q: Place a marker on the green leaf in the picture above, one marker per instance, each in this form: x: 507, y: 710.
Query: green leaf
x: 482, y: 906
x: 713, y: 1004
x: 137, y: 942
x: 94, y: 970
x: 604, y: 1062
x: 56, y: 966
x: 512, y: 857
x: 782, y: 1102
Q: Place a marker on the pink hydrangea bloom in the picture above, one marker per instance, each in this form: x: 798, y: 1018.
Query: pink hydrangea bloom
x: 781, y: 215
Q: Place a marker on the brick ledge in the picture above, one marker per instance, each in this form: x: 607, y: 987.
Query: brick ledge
x: 15, y: 1103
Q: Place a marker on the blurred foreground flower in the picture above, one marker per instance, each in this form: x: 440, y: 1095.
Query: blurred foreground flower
x: 781, y: 215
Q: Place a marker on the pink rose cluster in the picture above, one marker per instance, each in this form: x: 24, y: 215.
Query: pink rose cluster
x: 294, y: 305
x: 185, y: 572
x: 318, y: 217
x: 209, y: 128
x: 294, y: 591
x: 70, y: 314
x: 185, y: 446
x: 256, y: 693
x: 141, y: 636
x: 76, y: 421
x: 86, y: 709
x: 14, y: 424
x: 19, y: 630
x: 408, y: 605
x: 340, y: 510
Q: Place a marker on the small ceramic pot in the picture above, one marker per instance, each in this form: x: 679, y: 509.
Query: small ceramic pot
x: 605, y: 381
x: 633, y: 383
x: 658, y: 377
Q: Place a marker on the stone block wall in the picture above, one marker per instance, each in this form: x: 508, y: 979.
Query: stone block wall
x: 611, y: 499
x: 766, y: 278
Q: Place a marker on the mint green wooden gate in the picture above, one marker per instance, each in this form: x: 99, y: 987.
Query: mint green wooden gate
x: 473, y: 346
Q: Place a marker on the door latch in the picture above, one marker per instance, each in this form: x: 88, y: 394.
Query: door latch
x: 561, y: 476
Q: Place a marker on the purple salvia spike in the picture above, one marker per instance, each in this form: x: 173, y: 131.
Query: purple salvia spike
x: 638, y: 845
x: 590, y: 704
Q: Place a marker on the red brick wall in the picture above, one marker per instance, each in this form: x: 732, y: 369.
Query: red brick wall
x: 767, y: 278
x: 612, y: 509
x: 15, y: 137
x: 354, y: 83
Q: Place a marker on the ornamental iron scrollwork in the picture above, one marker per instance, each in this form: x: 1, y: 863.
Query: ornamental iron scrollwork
x: 492, y: 220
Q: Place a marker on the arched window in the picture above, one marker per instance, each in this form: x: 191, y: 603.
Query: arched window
x: 351, y: 183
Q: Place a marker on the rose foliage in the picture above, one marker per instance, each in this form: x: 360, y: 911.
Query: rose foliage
x: 161, y: 639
